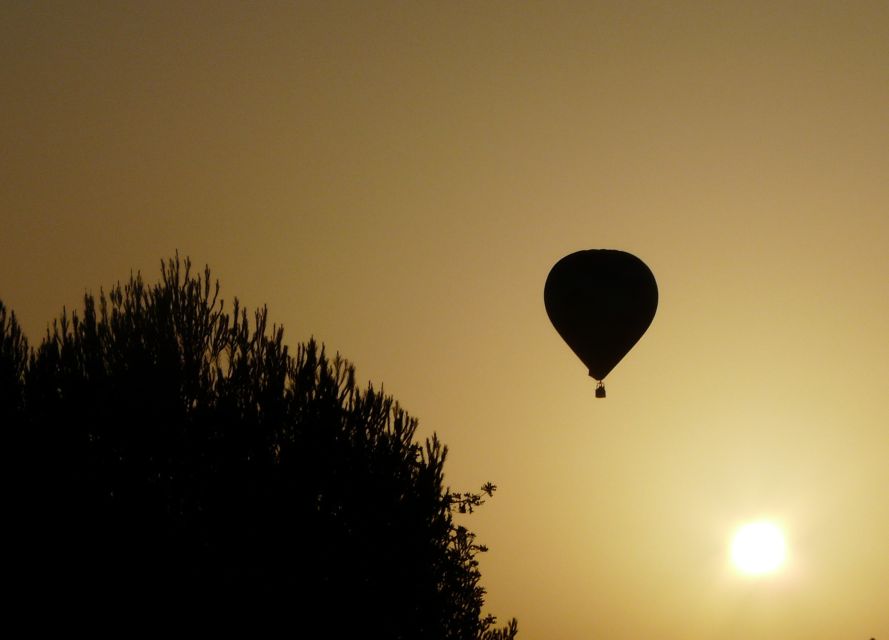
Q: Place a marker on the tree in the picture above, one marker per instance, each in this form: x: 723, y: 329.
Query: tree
x: 181, y: 456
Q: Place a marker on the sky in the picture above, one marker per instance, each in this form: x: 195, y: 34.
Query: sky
x: 396, y: 179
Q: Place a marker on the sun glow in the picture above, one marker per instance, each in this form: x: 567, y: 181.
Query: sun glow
x: 758, y: 548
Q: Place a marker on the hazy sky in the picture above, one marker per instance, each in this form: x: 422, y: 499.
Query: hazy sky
x: 397, y: 179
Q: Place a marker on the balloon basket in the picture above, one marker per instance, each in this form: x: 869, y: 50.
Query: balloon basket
x: 600, y: 390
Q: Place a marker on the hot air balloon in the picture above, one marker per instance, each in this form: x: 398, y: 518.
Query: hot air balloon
x: 600, y: 301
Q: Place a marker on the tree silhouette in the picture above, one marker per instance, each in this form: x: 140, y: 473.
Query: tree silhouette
x: 180, y: 456
x: 13, y: 363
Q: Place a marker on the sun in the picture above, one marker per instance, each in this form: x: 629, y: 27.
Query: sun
x: 758, y: 548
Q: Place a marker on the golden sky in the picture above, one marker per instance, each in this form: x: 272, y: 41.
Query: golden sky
x: 397, y: 179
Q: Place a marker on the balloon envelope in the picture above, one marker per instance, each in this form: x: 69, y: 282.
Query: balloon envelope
x: 600, y: 301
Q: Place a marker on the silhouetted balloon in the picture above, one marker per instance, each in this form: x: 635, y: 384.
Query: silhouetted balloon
x: 600, y: 301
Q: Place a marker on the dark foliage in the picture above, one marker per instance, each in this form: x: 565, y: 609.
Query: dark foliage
x: 13, y: 363
x: 178, y: 456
